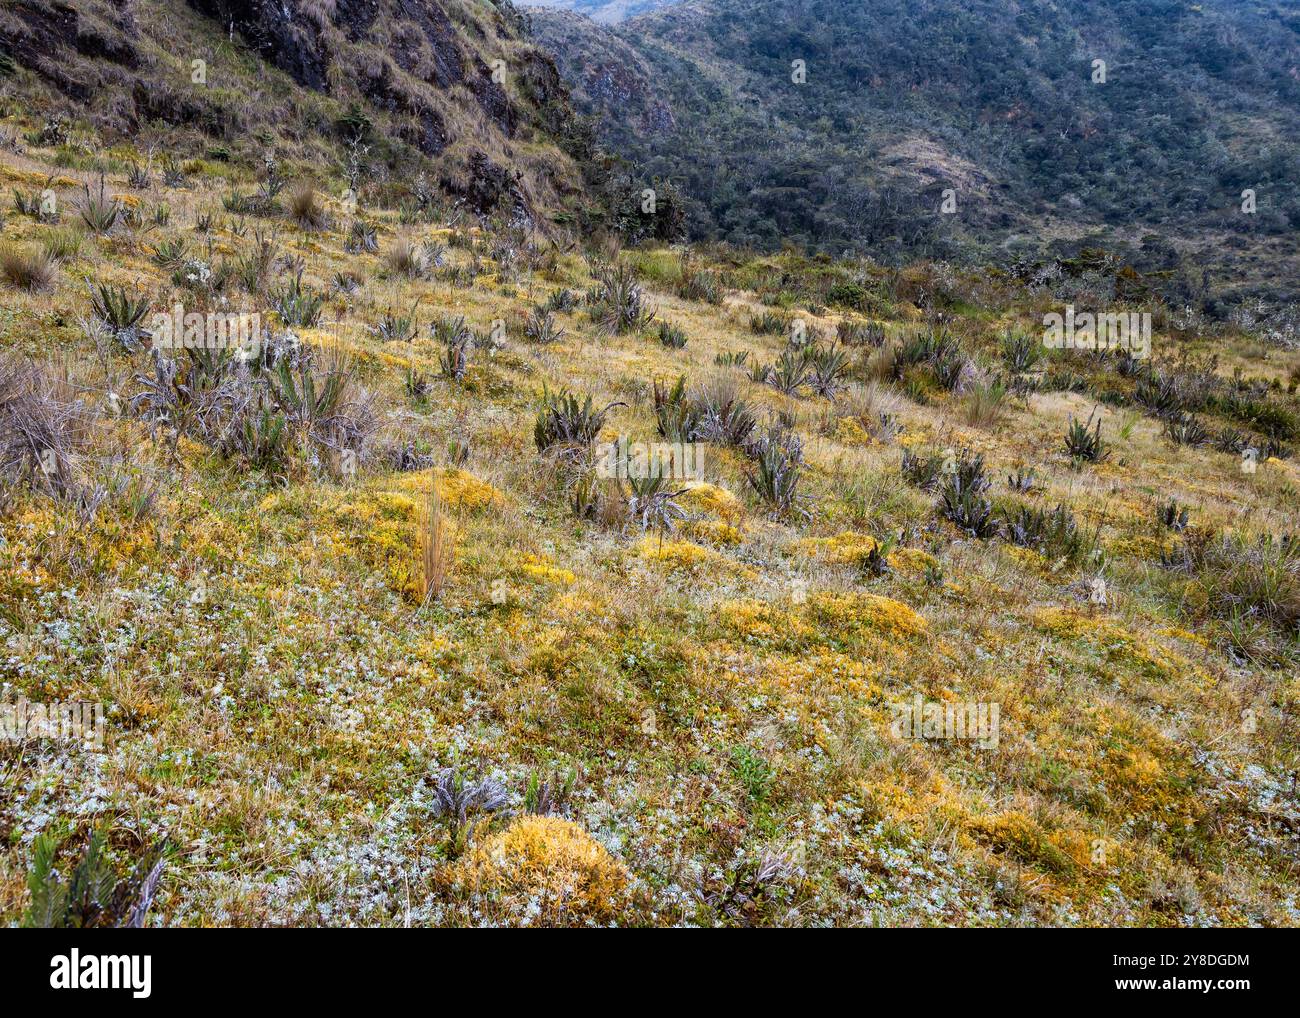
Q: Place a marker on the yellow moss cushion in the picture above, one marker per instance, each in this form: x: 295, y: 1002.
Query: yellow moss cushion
x: 549, y: 865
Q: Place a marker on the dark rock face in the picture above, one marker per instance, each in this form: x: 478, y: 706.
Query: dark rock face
x: 355, y: 17
x: 83, y: 60
x: 489, y: 185
x: 444, y: 52
x: 424, y: 43
x: 427, y: 132
x: 281, y: 33
x: 494, y: 101
x: 36, y: 34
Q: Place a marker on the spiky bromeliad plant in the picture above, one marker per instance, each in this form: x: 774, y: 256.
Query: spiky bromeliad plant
x: 962, y: 498
x: 621, y: 304
x: 94, y: 893
x: 461, y: 803
x: 564, y: 421
x: 119, y: 313
x: 653, y: 504
x: 98, y: 210
x: 1084, y: 442
x: 297, y: 304
x: 456, y: 338
x: 827, y: 369
x: 1173, y: 516
x: 777, y: 465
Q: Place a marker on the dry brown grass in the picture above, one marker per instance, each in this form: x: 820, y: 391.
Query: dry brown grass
x: 306, y: 209
x: 27, y: 269
x: 406, y: 258
x: 437, y: 549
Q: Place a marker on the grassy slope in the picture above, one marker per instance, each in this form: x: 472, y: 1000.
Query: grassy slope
x: 282, y: 726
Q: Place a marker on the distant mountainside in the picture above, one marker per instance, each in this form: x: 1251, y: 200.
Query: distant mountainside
x: 849, y: 125
x: 606, y: 12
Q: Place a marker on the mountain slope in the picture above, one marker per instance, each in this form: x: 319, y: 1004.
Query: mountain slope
x: 607, y: 12
x: 416, y: 78
x: 993, y: 100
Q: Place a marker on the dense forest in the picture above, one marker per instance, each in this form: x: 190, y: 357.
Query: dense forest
x: 840, y: 126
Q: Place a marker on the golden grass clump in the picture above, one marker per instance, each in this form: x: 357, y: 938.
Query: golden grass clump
x: 884, y: 615
x: 551, y: 866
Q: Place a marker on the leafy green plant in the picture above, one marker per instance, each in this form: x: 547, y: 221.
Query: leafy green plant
x: 548, y: 794
x: 1172, y: 516
x: 565, y: 421
x: 1253, y: 584
x: 98, y: 211
x: 139, y: 178
x: 1022, y: 481
x: 417, y: 383
x: 95, y: 893
x: 297, y: 304
x: 876, y: 560
x: 754, y: 773
x: 1084, y: 442
x: 696, y: 284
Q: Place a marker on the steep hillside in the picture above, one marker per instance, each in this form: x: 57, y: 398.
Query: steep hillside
x: 449, y: 86
x: 1001, y: 103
